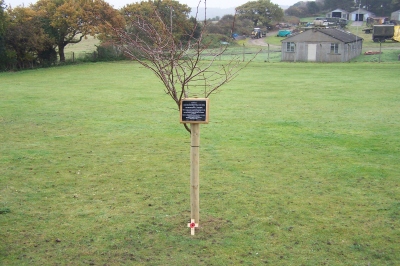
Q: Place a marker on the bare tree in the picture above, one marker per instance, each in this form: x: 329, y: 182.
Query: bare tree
x: 178, y: 54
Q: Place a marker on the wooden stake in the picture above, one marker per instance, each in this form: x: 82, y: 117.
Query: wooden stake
x: 194, y: 172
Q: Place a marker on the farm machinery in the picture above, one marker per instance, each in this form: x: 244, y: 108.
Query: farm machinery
x: 258, y: 33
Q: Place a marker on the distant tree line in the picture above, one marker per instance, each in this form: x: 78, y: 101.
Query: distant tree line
x: 382, y: 8
x: 37, y: 35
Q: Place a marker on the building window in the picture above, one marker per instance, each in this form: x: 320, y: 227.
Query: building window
x: 334, y: 48
x: 290, y: 47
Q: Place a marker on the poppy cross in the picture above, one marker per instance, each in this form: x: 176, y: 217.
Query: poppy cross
x: 192, y: 226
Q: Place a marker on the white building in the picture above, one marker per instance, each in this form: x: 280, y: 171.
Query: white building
x: 360, y: 14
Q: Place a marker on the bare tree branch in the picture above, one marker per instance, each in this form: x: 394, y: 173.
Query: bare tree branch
x: 178, y: 56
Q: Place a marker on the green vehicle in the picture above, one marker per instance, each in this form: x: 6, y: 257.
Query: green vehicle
x: 284, y: 33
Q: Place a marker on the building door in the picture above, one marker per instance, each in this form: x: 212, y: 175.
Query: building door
x: 312, y: 52
x: 359, y: 17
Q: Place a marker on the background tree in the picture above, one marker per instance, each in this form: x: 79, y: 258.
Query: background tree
x: 342, y: 4
x: 173, y: 13
x: 320, y: 3
x: 224, y: 26
x: 312, y: 7
x: 3, y: 54
x: 291, y: 20
x: 69, y: 21
x: 297, y: 11
x: 261, y: 12
x: 395, y: 4
x: 24, y: 38
x: 381, y: 8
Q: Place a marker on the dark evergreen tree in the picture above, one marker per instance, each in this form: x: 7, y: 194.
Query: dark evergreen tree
x: 342, y: 4
x: 3, y: 54
x: 312, y: 7
x: 381, y: 8
x: 395, y: 5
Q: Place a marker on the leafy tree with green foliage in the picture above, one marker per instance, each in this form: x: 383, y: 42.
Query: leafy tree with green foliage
x: 261, y: 12
x: 305, y: 8
x: 224, y: 26
x: 173, y: 13
x: 69, y: 21
x: 297, y: 11
x: 24, y: 38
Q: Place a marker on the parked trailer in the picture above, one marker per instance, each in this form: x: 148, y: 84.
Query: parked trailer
x: 330, y: 22
x: 382, y: 33
x: 320, y: 23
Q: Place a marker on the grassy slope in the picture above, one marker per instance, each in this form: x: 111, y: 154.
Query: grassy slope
x: 86, y: 45
x: 299, y: 166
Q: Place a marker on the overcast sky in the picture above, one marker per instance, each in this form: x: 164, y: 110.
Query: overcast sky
x: 190, y: 3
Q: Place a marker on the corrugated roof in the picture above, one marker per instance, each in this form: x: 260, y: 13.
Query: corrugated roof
x: 341, y: 35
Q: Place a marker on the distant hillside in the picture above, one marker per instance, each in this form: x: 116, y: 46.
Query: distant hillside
x: 213, y: 12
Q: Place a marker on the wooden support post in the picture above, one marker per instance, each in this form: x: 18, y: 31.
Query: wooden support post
x: 195, y: 112
x: 194, y: 173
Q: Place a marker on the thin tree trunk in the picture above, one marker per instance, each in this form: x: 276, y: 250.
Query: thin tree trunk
x: 61, y: 53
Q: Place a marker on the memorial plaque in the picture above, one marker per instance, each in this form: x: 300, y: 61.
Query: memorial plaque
x: 194, y: 110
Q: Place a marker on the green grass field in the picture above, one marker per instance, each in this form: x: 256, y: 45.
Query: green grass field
x: 300, y: 165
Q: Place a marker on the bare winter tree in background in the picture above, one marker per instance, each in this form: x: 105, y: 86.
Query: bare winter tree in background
x: 177, y: 53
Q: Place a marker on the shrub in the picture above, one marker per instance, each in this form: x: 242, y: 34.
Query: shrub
x: 108, y: 52
x: 214, y: 40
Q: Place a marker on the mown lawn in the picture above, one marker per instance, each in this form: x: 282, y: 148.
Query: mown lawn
x: 300, y: 165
